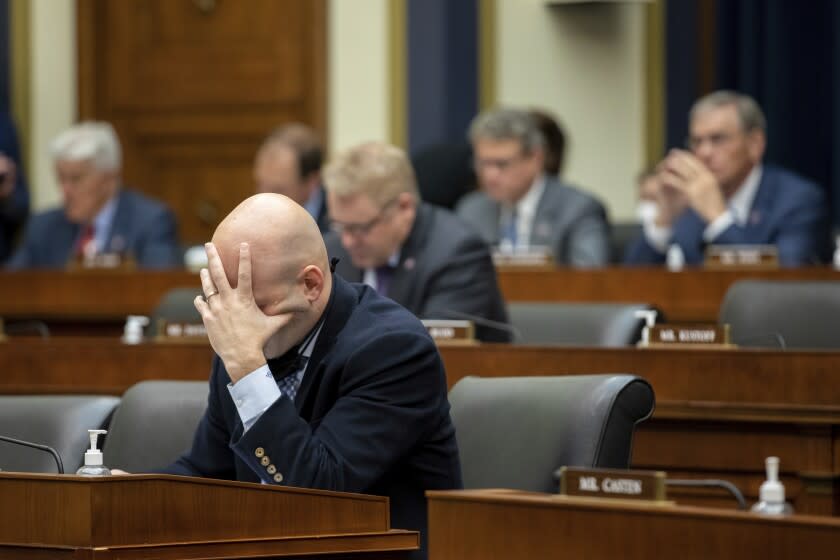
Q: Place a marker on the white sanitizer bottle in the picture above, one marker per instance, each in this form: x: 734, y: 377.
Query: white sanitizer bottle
x: 771, y: 495
x: 93, y: 458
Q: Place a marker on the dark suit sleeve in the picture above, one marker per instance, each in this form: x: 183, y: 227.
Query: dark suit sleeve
x: 467, y: 283
x: 640, y: 252
x: 24, y: 255
x: 210, y: 454
x: 389, y: 399
x: 802, y: 233
x: 159, y: 247
x: 588, y: 241
x: 15, y: 208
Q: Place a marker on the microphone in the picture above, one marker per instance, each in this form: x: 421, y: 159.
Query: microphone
x: 710, y: 483
x: 480, y: 321
x: 46, y: 448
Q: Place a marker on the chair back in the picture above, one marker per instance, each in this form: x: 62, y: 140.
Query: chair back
x: 577, y: 324
x: 622, y: 234
x: 59, y: 421
x: 782, y: 314
x: 176, y: 306
x: 154, y: 424
x: 515, y: 432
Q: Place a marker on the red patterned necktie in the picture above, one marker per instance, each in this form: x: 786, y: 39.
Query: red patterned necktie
x: 87, y: 238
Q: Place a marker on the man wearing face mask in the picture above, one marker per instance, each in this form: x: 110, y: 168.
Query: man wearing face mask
x: 720, y: 193
x: 316, y: 383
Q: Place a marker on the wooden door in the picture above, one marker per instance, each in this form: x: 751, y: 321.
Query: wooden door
x: 193, y: 86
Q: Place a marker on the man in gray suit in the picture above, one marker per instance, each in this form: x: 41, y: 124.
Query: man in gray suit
x: 519, y: 206
x: 418, y: 255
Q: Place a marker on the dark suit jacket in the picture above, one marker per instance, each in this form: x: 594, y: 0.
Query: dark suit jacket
x: 142, y: 227
x: 445, y: 270
x: 13, y: 210
x: 788, y: 211
x: 573, y: 223
x: 371, y: 414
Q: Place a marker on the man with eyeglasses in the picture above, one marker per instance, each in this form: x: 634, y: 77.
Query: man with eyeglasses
x: 519, y: 206
x: 418, y: 255
x: 718, y: 192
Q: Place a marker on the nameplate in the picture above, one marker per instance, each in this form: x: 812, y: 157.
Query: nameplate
x: 742, y: 256
x: 174, y: 331
x: 450, y: 331
x: 717, y: 335
x: 102, y: 261
x: 614, y: 484
x: 535, y: 256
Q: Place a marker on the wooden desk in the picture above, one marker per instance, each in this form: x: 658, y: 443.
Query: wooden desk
x: 507, y: 525
x: 97, y: 302
x: 175, y: 517
x: 719, y: 412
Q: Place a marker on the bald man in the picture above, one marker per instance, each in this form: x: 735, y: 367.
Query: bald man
x: 317, y: 382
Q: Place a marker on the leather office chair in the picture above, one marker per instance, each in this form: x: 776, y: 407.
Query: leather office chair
x: 154, y: 424
x: 59, y: 421
x: 176, y: 305
x: 578, y: 324
x: 622, y: 234
x: 515, y: 432
x: 444, y: 172
x: 776, y: 314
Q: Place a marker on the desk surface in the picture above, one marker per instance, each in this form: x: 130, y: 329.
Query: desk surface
x: 498, y: 524
x: 111, y: 295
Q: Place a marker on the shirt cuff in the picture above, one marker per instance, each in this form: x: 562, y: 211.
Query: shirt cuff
x: 657, y: 236
x: 253, y: 394
x: 718, y: 226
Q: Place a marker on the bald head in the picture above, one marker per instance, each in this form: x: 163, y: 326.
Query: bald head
x: 284, y: 242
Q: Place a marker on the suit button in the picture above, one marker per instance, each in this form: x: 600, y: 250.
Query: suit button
x: 271, y: 469
x: 278, y: 477
x: 259, y: 452
x: 265, y: 461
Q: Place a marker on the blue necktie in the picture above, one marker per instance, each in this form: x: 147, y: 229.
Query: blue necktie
x: 284, y: 369
x: 509, y: 229
x: 384, y: 274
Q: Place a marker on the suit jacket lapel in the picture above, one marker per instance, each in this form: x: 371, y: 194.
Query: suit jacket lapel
x: 411, y: 250
x: 117, y: 240
x: 545, y: 217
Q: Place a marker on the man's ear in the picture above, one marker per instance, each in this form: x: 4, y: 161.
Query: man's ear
x: 312, y: 280
x: 756, y: 143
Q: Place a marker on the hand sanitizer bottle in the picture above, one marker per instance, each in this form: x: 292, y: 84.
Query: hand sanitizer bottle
x: 771, y: 495
x: 674, y: 258
x: 133, y: 331
x: 93, y: 458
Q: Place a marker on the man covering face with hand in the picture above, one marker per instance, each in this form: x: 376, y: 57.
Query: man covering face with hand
x: 317, y: 382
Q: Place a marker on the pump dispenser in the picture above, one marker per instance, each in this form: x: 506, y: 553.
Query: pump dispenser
x: 771, y: 495
x: 93, y: 458
x: 649, y: 317
x: 133, y: 332
x: 674, y: 258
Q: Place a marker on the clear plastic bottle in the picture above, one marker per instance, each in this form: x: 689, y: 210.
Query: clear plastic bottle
x: 93, y: 458
x: 771, y: 495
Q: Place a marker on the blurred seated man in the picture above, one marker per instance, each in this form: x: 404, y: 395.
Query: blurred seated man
x: 289, y: 163
x: 419, y: 255
x: 519, y: 205
x: 316, y: 383
x: 720, y: 193
x: 98, y: 216
x: 14, y: 194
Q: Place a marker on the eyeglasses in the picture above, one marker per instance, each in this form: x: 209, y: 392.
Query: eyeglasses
x: 500, y: 164
x: 716, y: 140
x: 356, y: 230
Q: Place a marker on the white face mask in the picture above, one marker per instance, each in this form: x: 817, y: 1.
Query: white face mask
x: 646, y: 211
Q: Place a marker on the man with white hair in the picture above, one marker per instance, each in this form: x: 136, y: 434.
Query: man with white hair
x: 97, y: 216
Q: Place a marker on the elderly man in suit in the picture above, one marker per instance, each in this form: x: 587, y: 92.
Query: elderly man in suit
x: 419, y: 255
x: 289, y: 163
x: 14, y: 194
x: 316, y: 383
x: 98, y: 216
x: 519, y: 206
x: 720, y: 193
